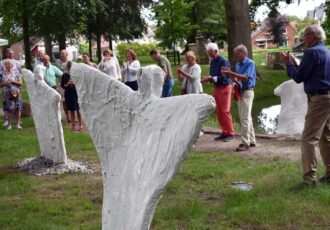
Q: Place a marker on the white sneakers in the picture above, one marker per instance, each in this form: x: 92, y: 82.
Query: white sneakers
x: 18, y: 127
x: 5, y: 123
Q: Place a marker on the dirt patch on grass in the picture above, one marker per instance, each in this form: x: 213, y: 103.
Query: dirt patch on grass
x: 269, y: 147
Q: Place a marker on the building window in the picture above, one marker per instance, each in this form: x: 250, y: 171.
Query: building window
x: 285, y: 30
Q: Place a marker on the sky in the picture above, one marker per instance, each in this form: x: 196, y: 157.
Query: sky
x: 291, y: 9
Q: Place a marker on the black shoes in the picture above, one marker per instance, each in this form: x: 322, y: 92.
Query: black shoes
x: 224, y: 138
x: 242, y: 148
x: 228, y: 139
x: 220, y: 137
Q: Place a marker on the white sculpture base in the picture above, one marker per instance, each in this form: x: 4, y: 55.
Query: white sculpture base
x: 141, y: 139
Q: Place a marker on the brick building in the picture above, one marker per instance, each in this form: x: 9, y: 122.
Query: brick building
x: 262, y: 39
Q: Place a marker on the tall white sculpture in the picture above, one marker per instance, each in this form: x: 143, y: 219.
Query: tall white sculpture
x: 141, y: 139
x: 293, y: 108
x: 45, y: 105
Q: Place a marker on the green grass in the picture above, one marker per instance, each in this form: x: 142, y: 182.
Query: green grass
x: 199, y: 197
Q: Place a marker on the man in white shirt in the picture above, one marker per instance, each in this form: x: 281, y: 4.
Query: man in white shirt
x: 61, y: 63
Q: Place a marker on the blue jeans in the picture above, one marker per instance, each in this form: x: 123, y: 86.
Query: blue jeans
x: 168, y: 88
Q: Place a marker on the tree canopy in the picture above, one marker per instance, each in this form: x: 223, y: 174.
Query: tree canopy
x: 173, y: 23
x: 57, y: 20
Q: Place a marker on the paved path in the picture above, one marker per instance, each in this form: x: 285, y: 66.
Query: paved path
x: 268, y: 147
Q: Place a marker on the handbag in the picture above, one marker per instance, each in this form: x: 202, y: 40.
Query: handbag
x: 14, y: 94
x: 237, y: 89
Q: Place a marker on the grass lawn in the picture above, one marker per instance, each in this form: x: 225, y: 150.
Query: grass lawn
x: 199, y: 197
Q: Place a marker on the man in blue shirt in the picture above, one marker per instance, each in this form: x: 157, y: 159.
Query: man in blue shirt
x: 246, y: 76
x: 314, y: 72
x: 222, y: 93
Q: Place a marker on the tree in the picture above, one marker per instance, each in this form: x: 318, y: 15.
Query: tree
x: 271, y: 4
x: 56, y: 20
x: 300, y: 24
x: 326, y: 23
x: 113, y: 19
x: 16, y: 24
x: 238, y: 26
x: 209, y: 17
x: 173, y: 24
x: 277, y: 29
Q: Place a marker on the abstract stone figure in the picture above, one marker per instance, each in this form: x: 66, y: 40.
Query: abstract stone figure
x: 45, y: 105
x: 293, y: 108
x: 141, y: 139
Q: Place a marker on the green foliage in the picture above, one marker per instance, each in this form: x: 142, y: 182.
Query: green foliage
x: 300, y: 24
x: 83, y: 47
x: 326, y: 27
x: 277, y: 29
x: 271, y: 4
x: 208, y: 16
x: 173, y: 23
x: 326, y: 23
x: 11, y: 20
x: 140, y: 49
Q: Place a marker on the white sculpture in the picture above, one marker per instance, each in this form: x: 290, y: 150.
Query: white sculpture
x: 293, y: 108
x: 45, y: 105
x: 141, y: 139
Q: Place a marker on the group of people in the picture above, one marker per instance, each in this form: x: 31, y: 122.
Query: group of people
x: 313, y: 72
x: 243, y: 79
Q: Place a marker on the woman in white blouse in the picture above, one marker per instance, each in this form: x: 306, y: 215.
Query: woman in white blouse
x: 130, y: 70
x: 190, y: 75
x: 110, y: 65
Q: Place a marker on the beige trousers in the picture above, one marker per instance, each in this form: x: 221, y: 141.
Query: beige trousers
x: 316, y: 133
x: 244, y: 110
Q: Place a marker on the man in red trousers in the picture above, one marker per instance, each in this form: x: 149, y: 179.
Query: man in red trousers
x: 222, y: 93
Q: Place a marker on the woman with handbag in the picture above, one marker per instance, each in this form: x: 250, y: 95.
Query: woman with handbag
x: 190, y: 75
x: 11, y: 82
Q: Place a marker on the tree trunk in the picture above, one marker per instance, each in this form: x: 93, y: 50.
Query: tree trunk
x: 98, y: 45
x: 238, y: 27
x: 61, y: 42
x: 110, y: 43
x: 90, y: 46
x: 26, y: 35
x: 49, y: 47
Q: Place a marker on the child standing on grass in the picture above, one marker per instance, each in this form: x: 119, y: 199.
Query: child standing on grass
x: 71, y: 97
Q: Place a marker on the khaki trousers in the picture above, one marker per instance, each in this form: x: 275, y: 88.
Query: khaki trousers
x: 316, y: 133
x: 244, y: 109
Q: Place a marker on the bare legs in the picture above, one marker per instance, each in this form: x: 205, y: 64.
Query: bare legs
x: 73, y: 119
x: 18, y: 118
x: 65, y: 108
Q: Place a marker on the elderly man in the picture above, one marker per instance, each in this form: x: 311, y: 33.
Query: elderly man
x: 51, y: 73
x: 165, y: 64
x: 10, y: 55
x: 314, y: 72
x: 61, y: 64
x: 246, y: 76
x: 39, y: 58
x: 222, y: 92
